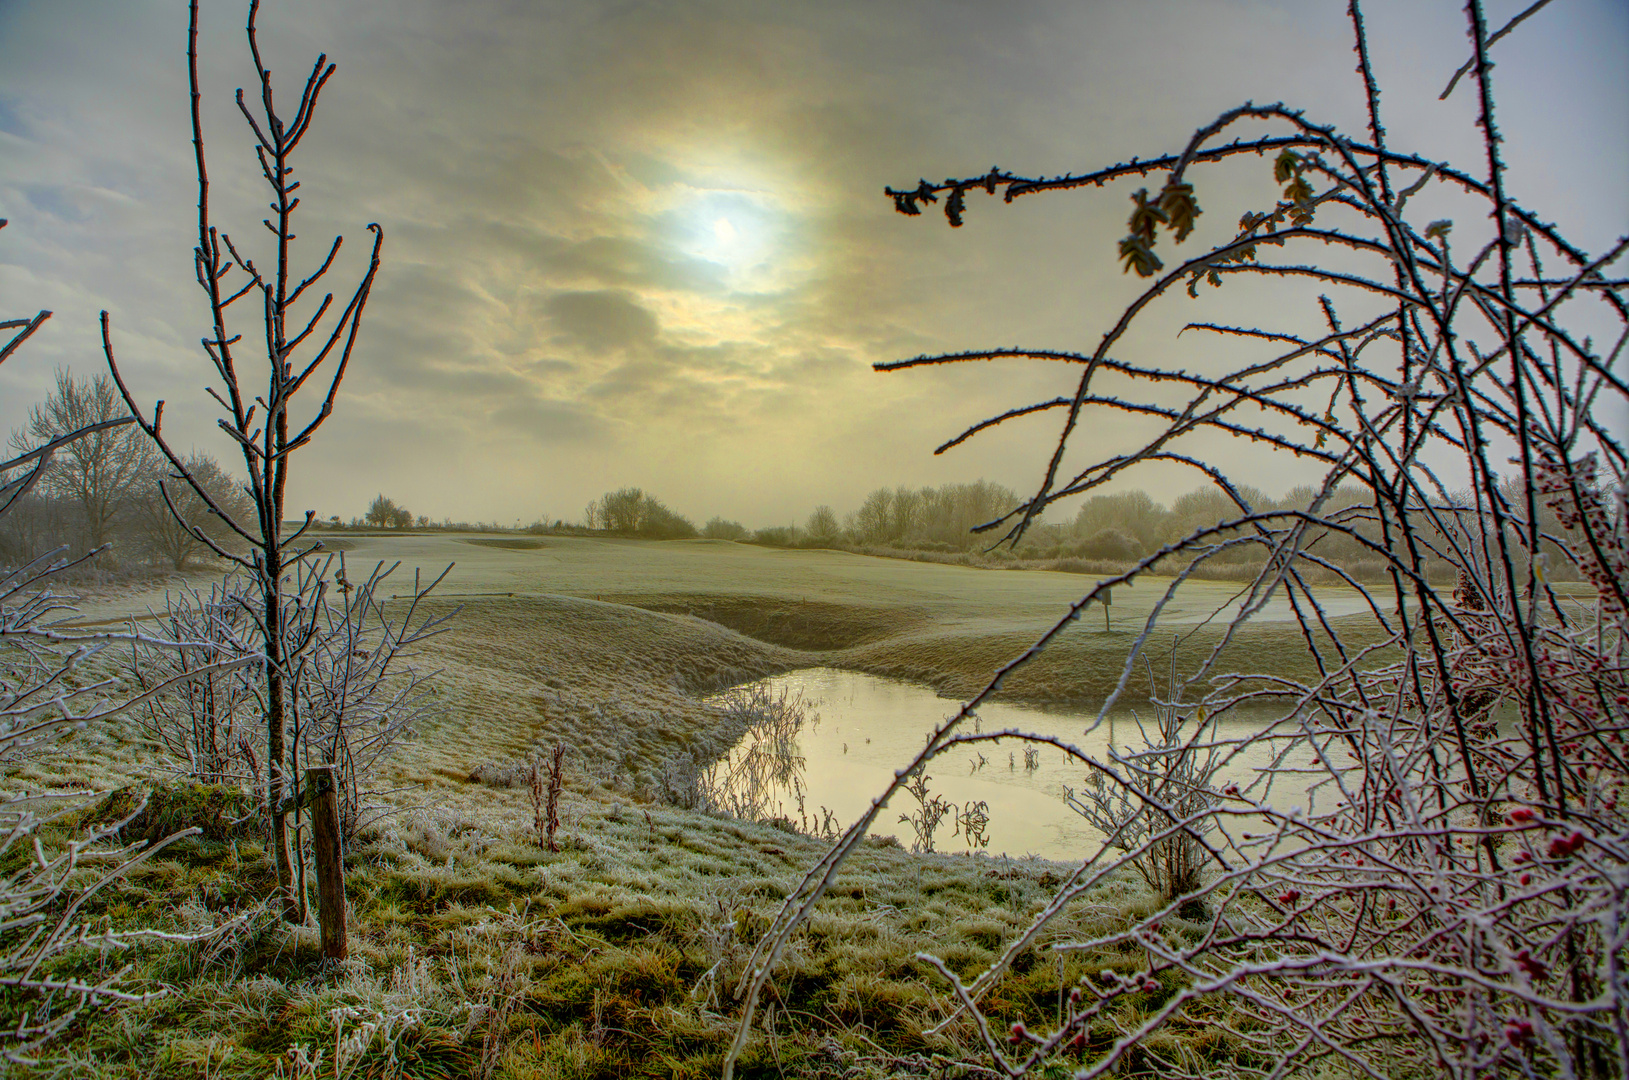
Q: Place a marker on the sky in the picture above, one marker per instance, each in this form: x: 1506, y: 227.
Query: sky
x: 647, y: 243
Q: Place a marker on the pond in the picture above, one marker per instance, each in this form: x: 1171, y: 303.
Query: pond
x: 858, y: 729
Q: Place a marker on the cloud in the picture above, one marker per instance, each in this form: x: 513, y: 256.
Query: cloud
x: 549, y: 421
x: 650, y: 240
x: 600, y: 320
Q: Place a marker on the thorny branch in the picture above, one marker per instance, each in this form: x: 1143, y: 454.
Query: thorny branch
x: 1448, y: 893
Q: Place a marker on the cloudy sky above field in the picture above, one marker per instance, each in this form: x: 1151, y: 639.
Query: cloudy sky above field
x: 646, y: 243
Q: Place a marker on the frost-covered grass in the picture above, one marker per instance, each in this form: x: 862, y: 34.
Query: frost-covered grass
x: 476, y: 953
x: 612, y: 958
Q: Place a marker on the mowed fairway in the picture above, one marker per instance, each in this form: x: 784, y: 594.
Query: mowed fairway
x: 642, y: 572
x: 610, y: 645
x: 948, y: 627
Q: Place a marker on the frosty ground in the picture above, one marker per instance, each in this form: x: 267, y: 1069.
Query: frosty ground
x: 476, y: 952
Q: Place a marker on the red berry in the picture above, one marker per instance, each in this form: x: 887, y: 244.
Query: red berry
x: 1533, y: 968
x: 1561, y: 848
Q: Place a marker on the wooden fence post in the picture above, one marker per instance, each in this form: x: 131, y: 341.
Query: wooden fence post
x: 324, y: 804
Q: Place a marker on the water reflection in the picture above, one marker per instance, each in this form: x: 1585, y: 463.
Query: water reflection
x: 820, y: 762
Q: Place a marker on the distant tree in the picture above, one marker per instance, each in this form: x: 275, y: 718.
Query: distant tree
x: 402, y: 518
x: 173, y: 520
x: 630, y: 511
x: 949, y: 514
x: 942, y: 515
x: 1131, y: 513
x: 906, y: 515
x: 657, y: 522
x: 777, y: 536
x: 871, y: 521
x: 618, y: 511
x: 1110, y: 544
x: 822, y: 524
x: 381, y: 512
x: 720, y: 529
x: 98, y: 473
x: 1206, y: 507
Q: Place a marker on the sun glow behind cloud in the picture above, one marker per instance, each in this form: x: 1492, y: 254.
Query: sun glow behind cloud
x: 741, y: 230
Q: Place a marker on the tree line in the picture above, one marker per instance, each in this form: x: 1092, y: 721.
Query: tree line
x: 1122, y: 527
x: 111, y: 487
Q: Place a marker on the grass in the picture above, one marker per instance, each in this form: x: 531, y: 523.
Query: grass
x: 475, y: 953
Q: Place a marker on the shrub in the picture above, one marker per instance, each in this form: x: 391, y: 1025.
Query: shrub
x: 1426, y: 878
x: 720, y: 529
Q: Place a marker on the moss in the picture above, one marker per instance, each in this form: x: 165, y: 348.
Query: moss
x: 222, y: 812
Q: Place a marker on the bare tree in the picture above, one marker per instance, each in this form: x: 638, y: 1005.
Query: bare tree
x: 306, y: 346
x: 822, y: 524
x: 382, y: 512
x: 99, y: 473
x: 170, y: 516
x: 1427, y: 878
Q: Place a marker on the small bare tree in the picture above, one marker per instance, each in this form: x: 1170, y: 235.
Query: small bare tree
x: 356, y: 694
x: 307, y: 345
x: 206, y: 722
x: 1142, y: 791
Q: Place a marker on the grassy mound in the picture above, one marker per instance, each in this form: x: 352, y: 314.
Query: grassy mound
x: 619, y: 685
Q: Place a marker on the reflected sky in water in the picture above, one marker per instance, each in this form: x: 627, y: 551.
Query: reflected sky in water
x: 862, y: 728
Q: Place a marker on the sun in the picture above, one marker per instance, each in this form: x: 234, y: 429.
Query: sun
x: 735, y: 230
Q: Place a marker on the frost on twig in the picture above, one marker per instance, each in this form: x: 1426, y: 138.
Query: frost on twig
x: 46, y: 691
